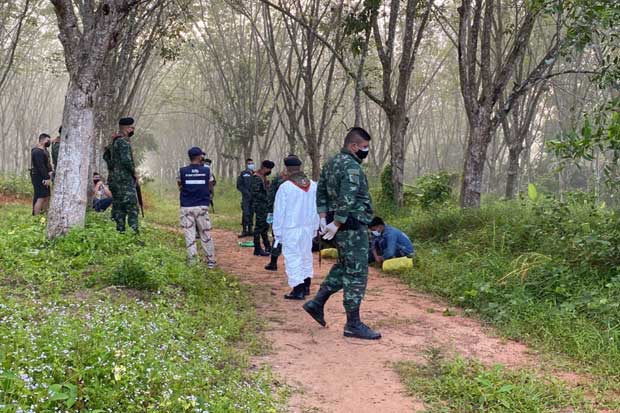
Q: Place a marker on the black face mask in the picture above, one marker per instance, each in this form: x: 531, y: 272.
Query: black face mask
x: 362, y: 154
x: 96, y: 181
x: 47, y: 144
x: 130, y: 134
x: 267, y: 173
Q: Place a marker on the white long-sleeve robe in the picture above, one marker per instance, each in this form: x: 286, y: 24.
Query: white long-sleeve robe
x: 295, y: 221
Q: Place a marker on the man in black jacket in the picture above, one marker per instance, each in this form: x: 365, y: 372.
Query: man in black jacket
x: 41, y: 174
x: 244, y: 185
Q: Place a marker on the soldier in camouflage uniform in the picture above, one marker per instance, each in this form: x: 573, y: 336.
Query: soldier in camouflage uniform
x: 344, y: 204
x: 55, y: 149
x: 276, y: 249
x: 122, y: 177
x: 260, y: 203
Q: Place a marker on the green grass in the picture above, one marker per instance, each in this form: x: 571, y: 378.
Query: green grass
x: 18, y: 186
x: 463, y: 385
x: 95, y: 322
x: 547, y: 273
x: 163, y: 206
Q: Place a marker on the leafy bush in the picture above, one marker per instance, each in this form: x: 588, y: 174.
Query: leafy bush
x: 133, y: 274
x: 18, y: 186
x: 432, y: 190
x: 387, y: 186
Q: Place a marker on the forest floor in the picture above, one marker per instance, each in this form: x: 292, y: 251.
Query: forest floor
x: 331, y: 373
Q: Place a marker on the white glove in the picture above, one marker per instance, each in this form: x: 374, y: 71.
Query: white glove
x: 322, y: 225
x: 330, y: 231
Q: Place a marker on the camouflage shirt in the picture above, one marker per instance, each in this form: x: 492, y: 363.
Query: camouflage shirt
x: 55, y: 150
x: 260, y: 189
x: 121, y: 165
x: 273, y: 189
x: 343, y: 189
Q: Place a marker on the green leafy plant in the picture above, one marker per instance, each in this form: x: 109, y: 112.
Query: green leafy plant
x: 432, y: 190
x: 387, y: 186
x: 132, y: 274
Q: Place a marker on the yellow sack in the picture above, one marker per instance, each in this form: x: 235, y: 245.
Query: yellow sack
x: 397, y: 264
x: 329, y: 253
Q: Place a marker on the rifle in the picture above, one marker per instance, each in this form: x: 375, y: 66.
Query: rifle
x: 139, y: 196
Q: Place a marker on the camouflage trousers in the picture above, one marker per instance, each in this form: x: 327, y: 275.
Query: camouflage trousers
x: 350, y: 273
x: 192, y: 217
x: 124, y: 206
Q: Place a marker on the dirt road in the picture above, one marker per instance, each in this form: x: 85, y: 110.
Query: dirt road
x: 333, y: 374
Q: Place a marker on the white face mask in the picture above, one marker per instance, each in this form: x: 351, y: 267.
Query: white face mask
x: 251, y: 166
x: 376, y: 233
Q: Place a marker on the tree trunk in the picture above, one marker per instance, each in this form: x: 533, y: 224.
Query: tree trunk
x: 473, y: 169
x: 398, y: 127
x: 512, y: 178
x: 68, y: 205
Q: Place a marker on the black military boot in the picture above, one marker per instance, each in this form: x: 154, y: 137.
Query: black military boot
x: 243, y: 233
x: 307, y: 283
x: 315, y: 306
x: 258, y: 251
x: 266, y: 243
x: 273, y: 264
x: 355, y: 328
x: 297, y: 293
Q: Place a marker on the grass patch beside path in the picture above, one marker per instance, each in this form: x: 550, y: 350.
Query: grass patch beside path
x: 73, y: 339
x: 463, y: 385
x: 543, y: 272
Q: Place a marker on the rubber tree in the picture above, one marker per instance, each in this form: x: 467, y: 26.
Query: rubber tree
x: 485, y: 73
x: 396, y: 76
x: 88, y: 31
x: 397, y: 49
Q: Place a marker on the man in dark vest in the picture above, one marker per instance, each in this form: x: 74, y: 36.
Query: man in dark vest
x: 195, y: 196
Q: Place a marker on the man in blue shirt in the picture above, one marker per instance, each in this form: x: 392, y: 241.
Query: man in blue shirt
x: 195, y: 196
x: 388, y: 242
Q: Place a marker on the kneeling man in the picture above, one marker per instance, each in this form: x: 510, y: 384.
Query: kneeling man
x: 295, y: 222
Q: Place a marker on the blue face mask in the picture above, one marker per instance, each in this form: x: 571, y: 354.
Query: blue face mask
x: 376, y: 233
x: 251, y: 166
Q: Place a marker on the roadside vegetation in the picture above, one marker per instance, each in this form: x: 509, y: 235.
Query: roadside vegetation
x: 92, y: 313
x: 540, y: 269
x: 464, y: 385
x: 95, y: 322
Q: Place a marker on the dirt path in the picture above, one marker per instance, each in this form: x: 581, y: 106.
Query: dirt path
x: 334, y: 374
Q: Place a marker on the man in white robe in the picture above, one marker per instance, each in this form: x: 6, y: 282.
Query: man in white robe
x: 295, y: 222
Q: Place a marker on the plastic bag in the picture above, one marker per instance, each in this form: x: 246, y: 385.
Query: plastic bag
x: 329, y: 253
x: 397, y: 264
